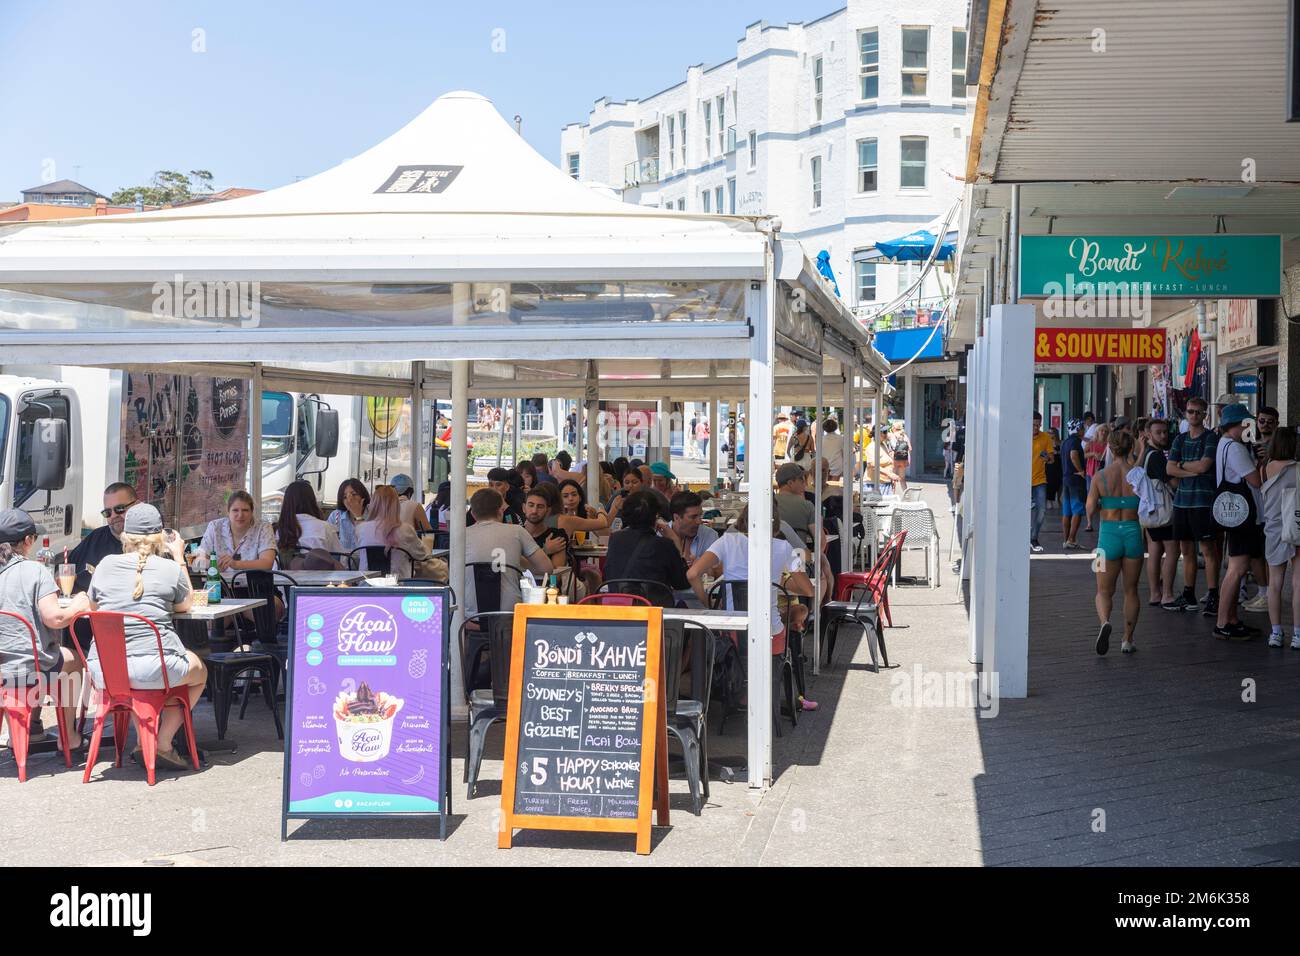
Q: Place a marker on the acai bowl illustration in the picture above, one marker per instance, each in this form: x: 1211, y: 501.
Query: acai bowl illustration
x: 364, y: 721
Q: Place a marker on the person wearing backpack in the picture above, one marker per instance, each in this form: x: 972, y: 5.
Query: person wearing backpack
x: 1162, y: 550
x: 1282, y: 532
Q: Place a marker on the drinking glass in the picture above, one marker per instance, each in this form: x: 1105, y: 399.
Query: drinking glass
x: 67, y: 577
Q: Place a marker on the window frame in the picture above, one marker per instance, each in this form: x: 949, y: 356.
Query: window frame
x: 818, y: 86
x: 575, y: 164
x: 672, y: 140
x: 753, y: 149
x: 866, y: 70
x: 906, y: 71
x: 874, y: 168
x: 816, y: 171
x: 721, y: 102
x: 965, y: 40
x: 858, y: 265
x: 707, y: 103
x: 731, y: 195
x: 705, y: 196
x: 903, y: 164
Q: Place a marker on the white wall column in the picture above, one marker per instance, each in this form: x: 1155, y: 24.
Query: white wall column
x: 254, y: 438
x: 1004, y: 614
x: 819, y: 534
x: 846, y: 470
x: 974, y: 495
x: 714, y: 440
x: 594, y: 449
x: 760, y: 306
x: 460, y: 372
x: 419, y: 450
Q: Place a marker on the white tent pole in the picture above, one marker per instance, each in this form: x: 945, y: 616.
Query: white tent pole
x: 877, y: 408
x: 846, y: 455
x: 459, y: 492
x: 514, y: 444
x: 820, y: 530
x: 761, y: 306
x: 255, y: 436
x: 501, y: 430
x: 860, y: 416
x: 593, y: 435
x: 714, y: 438
x: 418, y: 450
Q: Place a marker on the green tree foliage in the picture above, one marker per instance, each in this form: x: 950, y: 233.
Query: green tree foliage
x: 166, y: 188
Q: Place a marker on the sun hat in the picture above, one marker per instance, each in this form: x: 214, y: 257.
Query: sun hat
x: 660, y: 469
x: 142, y: 518
x: 1234, y: 414
x: 17, y: 525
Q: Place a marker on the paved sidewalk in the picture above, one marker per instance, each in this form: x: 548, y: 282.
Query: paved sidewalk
x: 895, y: 768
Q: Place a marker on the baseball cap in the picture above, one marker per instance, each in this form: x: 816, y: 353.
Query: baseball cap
x: 788, y: 472
x: 402, y: 484
x: 142, y: 518
x: 16, y: 525
x: 660, y: 469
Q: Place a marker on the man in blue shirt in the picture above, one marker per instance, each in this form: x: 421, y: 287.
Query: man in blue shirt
x: 1191, y: 461
x: 1074, y: 484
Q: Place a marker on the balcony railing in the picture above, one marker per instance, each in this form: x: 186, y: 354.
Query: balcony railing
x: 641, y: 173
x: 912, y: 317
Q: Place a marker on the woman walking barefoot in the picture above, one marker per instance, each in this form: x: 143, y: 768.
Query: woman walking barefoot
x: 1119, y: 540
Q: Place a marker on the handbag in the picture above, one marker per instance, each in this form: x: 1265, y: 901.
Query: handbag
x: 1162, y: 515
x: 1234, y: 505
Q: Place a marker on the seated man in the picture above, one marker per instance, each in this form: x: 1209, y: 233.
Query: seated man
x: 543, y: 467
x: 561, y: 467
x: 794, y: 508
x: 490, y: 541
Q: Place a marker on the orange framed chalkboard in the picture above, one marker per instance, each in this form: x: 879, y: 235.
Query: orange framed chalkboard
x: 585, y: 726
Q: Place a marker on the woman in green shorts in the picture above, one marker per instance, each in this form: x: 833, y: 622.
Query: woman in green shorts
x: 1119, y: 542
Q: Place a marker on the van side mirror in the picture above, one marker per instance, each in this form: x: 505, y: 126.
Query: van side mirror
x: 50, y: 454
x: 327, y: 432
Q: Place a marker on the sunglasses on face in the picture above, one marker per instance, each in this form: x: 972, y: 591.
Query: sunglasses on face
x: 117, y: 510
x: 1195, y: 411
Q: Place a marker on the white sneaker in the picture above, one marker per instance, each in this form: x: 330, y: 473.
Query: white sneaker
x: 1258, y: 603
x: 1275, y: 640
x: 1295, y: 642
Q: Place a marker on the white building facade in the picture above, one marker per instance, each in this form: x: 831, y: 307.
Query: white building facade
x: 852, y: 129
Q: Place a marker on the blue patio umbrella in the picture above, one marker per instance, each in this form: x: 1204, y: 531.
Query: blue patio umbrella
x: 824, y: 267
x: 917, y: 246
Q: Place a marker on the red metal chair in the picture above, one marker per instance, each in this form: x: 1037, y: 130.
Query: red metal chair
x: 119, y: 698
x: 18, y: 701
x: 610, y: 599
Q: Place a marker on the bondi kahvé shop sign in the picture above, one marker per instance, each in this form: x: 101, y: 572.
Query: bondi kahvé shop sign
x: 1216, y: 266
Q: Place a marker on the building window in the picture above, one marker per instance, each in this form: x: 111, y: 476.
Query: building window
x: 708, y: 128
x: 717, y: 200
x: 722, y: 126
x: 866, y: 165
x: 681, y: 204
x: 816, y: 182
x: 958, y: 64
x: 573, y: 165
x: 672, y: 142
x: 817, y: 89
x: 912, y: 169
x: 681, y: 125
x: 864, y: 277
x: 731, y: 196
x: 916, y: 60
x: 704, y: 199
x: 753, y: 149
x: 869, y: 64
x: 908, y: 272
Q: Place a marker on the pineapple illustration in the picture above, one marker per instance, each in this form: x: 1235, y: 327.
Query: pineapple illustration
x: 418, y: 663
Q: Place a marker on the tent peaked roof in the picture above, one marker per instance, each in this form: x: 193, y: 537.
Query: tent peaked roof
x: 458, y: 156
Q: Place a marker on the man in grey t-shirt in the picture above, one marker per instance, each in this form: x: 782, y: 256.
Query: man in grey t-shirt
x: 489, y: 541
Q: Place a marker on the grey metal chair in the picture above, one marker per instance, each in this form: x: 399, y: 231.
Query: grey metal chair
x: 688, y: 716
x: 486, y: 707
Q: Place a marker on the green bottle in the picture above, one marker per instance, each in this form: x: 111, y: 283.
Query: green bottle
x: 214, y: 582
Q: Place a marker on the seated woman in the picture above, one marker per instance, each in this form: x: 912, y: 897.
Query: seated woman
x: 573, y: 506
x: 143, y: 581
x: 239, y: 542
x: 302, y: 527
x: 386, y: 529
x: 353, y: 508
x: 728, y: 557
x: 527, y: 475
x: 27, y: 589
x: 639, y: 552
x: 632, y: 483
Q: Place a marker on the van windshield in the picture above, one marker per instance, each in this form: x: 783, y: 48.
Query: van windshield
x: 4, y: 433
x: 277, y: 424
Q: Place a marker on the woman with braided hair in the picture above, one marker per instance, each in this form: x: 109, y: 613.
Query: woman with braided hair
x: 149, y: 578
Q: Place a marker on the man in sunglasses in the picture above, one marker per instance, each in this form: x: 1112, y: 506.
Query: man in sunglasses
x: 102, y: 542
x: 1191, y: 461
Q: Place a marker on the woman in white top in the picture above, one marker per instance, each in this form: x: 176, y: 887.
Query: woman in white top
x: 730, y: 555
x: 386, y: 529
x: 1279, y: 486
x: 238, y: 541
x: 302, y: 526
x: 1235, y: 465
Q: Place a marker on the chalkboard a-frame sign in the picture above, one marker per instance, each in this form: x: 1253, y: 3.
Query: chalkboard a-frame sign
x: 585, y: 726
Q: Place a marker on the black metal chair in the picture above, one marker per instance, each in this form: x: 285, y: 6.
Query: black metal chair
x: 783, y: 675
x: 861, y: 610
x: 688, y: 716
x: 487, y: 584
x: 656, y: 592
x: 297, y: 559
x: 260, y: 665
x: 486, y: 707
x: 270, y: 633
x: 377, y: 557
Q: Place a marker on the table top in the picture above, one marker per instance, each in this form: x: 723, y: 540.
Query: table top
x: 315, y: 579
x: 719, y: 620
x: 587, y: 551
x: 229, y: 607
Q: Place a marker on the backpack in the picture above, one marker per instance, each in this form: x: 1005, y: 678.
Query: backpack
x: 1291, y: 511
x: 1163, y: 513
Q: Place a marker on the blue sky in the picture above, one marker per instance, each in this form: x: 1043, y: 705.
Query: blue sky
x: 107, y: 91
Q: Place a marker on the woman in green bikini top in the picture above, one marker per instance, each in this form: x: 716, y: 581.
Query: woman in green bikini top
x: 1120, y: 543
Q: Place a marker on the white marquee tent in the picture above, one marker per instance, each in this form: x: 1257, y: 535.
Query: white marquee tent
x: 455, y: 260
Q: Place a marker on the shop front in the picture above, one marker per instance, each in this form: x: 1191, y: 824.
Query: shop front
x: 1248, y: 352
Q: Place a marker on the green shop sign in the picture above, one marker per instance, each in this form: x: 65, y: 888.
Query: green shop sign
x: 1182, y: 267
